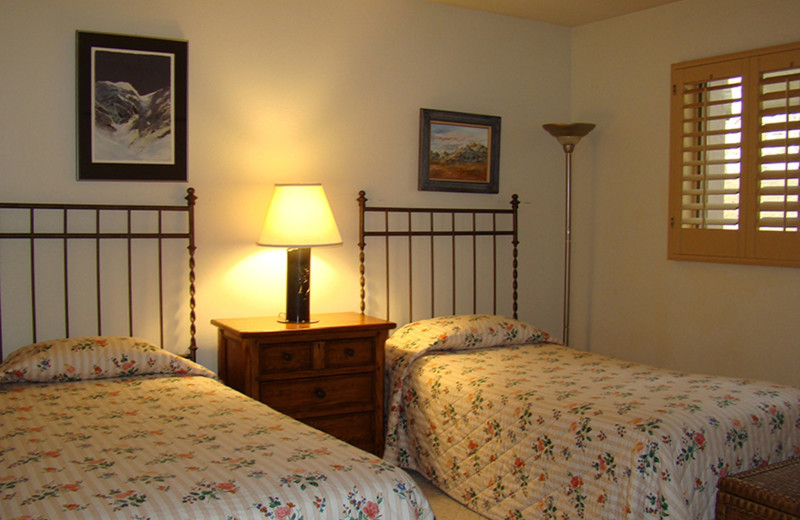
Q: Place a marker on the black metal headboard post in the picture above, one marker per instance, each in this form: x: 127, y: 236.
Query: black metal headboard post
x: 410, y: 232
x: 38, y: 211
x: 191, y: 198
x: 514, y: 244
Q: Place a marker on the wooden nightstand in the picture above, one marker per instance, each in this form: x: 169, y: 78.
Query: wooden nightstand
x: 328, y: 374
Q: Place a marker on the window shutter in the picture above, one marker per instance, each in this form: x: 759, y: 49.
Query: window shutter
x: 707, y: 161
x: 735, y: 158
x: 778, y: 161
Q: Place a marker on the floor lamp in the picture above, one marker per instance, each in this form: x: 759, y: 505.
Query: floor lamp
x: 568, y: 135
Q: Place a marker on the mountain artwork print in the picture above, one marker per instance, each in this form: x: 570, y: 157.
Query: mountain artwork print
x: 459, y: 152
x: 132, y: 110
x: 133, y: 114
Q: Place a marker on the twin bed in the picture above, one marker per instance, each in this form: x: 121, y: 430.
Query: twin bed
x: 513, y: 424
x: 113, y: 426
x: 491, y: 410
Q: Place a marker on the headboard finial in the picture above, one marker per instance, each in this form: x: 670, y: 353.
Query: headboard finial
x: 190, y: 196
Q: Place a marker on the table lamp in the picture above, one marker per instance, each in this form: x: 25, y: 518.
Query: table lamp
x: 299, y: 218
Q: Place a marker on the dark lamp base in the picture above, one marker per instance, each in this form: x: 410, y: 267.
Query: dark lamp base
x: 298, y: 285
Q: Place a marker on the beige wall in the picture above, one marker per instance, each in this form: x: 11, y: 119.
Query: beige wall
x: 299, y: 90
x: 321, y: 90
x: 630, y: 301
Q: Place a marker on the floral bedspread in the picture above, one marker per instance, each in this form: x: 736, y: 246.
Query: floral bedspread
x: 515, y: 426
x: 174, y: 445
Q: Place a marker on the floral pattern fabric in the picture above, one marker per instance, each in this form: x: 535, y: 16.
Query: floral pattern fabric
x: 543, y: 431
x: 93, y: 357
x: 166, y: 446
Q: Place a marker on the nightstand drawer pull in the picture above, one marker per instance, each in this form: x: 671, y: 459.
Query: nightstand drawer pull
x: 350, y: 352
x: 319, y: 392
x: 287, y: 356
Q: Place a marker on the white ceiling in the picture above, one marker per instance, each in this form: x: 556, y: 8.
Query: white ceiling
x: 571, y: 13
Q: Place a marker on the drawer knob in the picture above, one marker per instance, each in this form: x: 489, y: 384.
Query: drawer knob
x: 350, y: 352
x: 287, y: 356
x: 319, y: 392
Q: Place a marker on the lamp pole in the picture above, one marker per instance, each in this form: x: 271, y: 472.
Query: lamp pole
x: 568, y: 135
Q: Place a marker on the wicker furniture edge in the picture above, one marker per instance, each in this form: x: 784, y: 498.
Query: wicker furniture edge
x: 770, y: 493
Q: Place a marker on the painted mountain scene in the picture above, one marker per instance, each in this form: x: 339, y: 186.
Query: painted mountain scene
x: 459, y: 152
x: 133, y: 113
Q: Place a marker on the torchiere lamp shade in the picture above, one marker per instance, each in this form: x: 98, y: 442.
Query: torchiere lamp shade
x: 299, y: 217
x: 568, y: 135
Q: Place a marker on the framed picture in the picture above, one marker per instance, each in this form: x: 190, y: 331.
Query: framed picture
x: 459, y: 152
x: 131, y: 108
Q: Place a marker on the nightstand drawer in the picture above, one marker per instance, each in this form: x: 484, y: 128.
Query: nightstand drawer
x: 356, y: 429
x: 353, y: 352
x: 298, y: 397
x: 285, y: 357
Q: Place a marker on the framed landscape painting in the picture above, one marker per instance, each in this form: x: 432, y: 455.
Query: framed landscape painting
x: 131, y: 101
x: 459, y: 152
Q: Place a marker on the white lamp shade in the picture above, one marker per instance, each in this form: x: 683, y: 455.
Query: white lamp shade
x: 299, y: 216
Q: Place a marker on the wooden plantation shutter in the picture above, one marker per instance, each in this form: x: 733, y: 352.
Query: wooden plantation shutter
x: 735, y: 158
x: 707, y: 158
x: 778, y: 173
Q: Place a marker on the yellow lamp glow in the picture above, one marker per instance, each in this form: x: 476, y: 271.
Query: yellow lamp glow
x: 299, y: 217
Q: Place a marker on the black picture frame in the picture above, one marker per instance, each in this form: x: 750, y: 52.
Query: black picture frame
x: 131, y: 107
x: 459, y: 152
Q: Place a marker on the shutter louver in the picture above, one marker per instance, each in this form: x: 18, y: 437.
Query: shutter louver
x: 779, y: 151
x: 711, y: 155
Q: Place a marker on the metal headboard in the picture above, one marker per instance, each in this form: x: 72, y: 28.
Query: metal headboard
x: 412, y: 232
x: 30, y: 217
